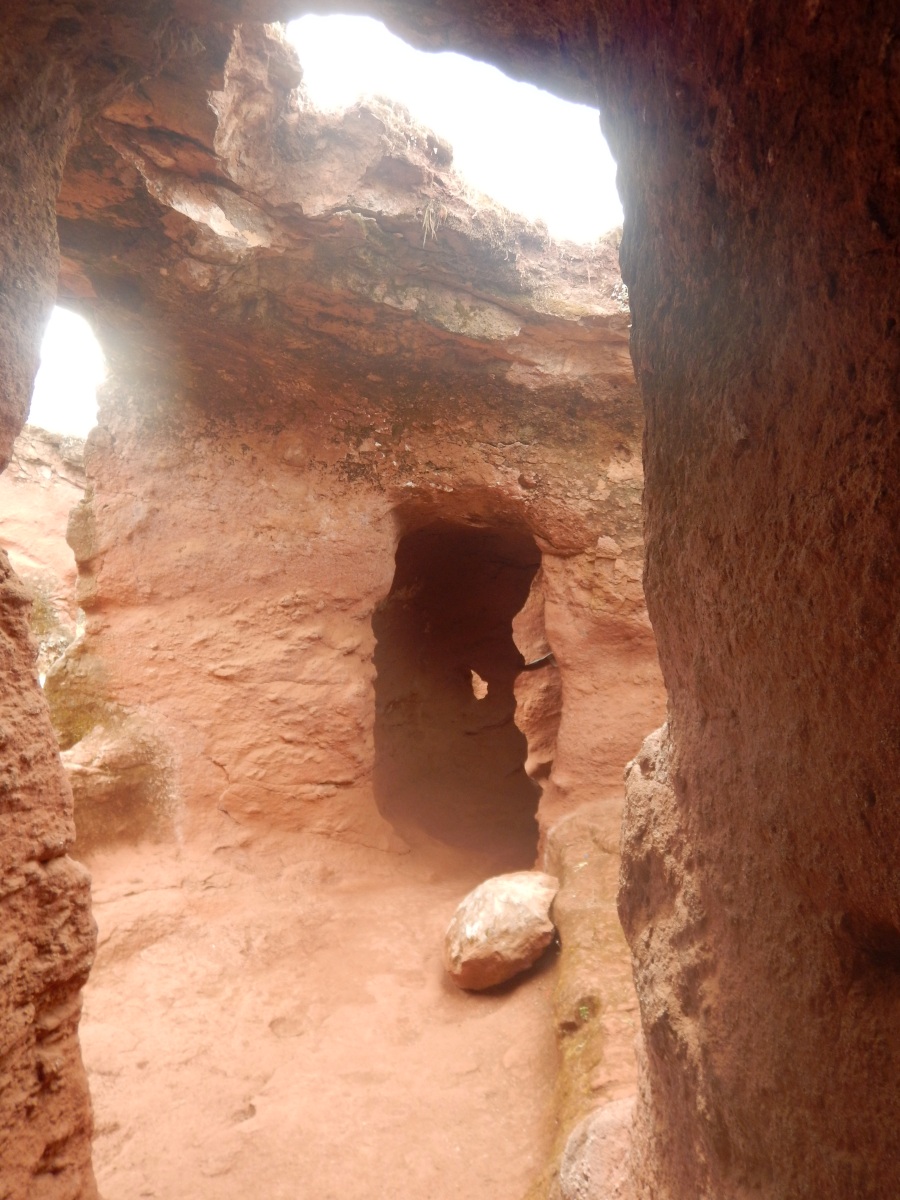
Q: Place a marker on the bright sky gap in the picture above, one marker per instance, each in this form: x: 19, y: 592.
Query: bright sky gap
x: 535, y: 154
x: 72, y: 367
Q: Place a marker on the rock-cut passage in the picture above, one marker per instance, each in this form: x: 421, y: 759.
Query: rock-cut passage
x: 450, y: 760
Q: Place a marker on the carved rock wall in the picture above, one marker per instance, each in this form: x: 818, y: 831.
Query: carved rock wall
x: 231, y: 570
x: 757, y: 151
x: 48, y: 935
x: 325, y: 350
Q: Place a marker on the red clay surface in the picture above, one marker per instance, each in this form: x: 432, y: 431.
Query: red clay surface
x: 275, y: 1021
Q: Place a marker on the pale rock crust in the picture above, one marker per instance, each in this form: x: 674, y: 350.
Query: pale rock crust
x: 500, y: 929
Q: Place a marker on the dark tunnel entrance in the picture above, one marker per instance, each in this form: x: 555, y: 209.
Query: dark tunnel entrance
x: 449, y: 759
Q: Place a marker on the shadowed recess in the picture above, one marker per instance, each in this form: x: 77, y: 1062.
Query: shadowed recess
x: 449, y: 757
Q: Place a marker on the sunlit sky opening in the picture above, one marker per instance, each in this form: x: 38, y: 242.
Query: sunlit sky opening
x: 72, y: 367
x: 527, y: 150
x: 532, y: 152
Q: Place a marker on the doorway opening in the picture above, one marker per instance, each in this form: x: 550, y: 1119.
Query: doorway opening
x: 449, y: 758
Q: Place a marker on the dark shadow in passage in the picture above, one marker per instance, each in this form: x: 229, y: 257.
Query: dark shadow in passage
x: 446, y: 762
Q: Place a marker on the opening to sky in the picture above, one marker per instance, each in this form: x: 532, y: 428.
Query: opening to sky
x: 72, y: 367
x: 533, y: 153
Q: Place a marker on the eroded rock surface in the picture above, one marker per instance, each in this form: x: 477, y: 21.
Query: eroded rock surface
x: 327, y: 349
x: 500, y: 929
x: 48, y: 936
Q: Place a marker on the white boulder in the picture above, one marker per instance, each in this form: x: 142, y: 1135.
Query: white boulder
x: 500, y: 929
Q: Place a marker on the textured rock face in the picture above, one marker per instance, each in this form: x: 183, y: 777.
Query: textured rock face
x: 41, y: 485
x: 119, y: 779
x: 500, y: 929
x: 48, y: 937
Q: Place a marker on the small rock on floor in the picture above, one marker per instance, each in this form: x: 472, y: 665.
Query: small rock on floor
x: 500, y: 929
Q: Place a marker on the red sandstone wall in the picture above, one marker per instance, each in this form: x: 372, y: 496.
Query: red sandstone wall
x: 48, y: 938
x: 285, y: 597
x: 760, y: 888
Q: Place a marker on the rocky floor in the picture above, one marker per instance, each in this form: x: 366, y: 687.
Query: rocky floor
x: 274, y: 1021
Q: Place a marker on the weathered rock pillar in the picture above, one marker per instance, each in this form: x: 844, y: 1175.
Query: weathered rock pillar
x: 45, y: 923
x: 761, y: 892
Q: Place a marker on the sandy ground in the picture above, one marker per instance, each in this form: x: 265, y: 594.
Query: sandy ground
x: 275, y: 1022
